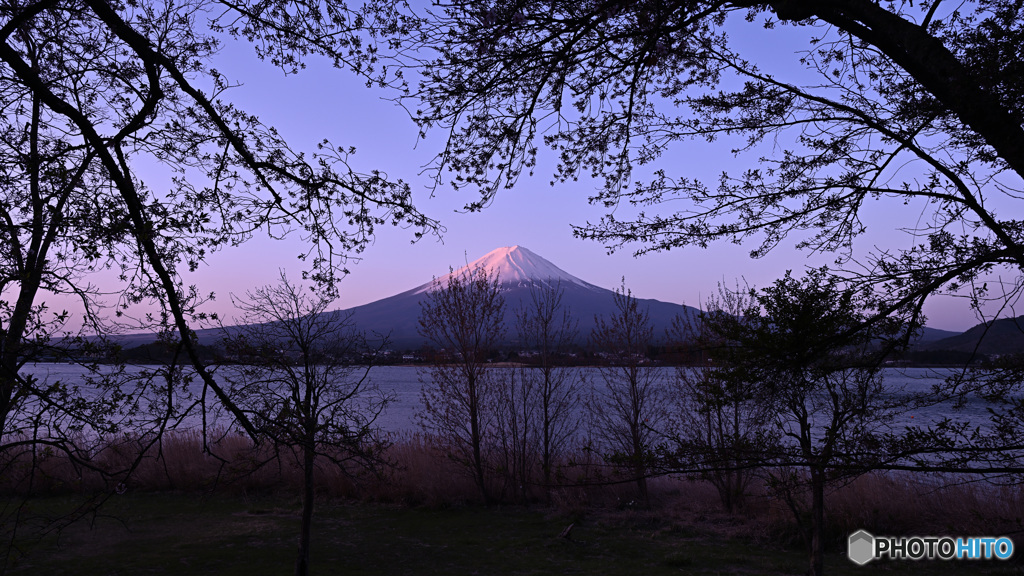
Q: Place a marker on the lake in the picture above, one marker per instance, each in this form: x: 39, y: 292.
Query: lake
x: 404, y: 383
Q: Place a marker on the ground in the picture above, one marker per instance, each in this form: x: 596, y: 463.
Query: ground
x: 185, y: 534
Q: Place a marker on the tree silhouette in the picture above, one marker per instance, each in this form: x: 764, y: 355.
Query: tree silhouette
x: 462, y: 317
x: 721, y: 425
x: 824, y: 392
x: 629, y: 404
x: 545, y: 325
x: 92, y: 91
x: 901, y: 102
x: 303, y: 382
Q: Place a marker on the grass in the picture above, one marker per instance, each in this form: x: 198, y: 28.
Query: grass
x: 183, y: 534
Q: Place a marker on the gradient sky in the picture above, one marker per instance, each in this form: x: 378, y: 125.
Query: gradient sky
x: 323, y: 102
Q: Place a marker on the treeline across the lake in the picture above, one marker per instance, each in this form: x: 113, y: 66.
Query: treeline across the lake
x: 781, y: 415
x: 580, y: 354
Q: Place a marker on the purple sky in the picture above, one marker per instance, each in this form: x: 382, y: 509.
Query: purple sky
x: 323, y: 102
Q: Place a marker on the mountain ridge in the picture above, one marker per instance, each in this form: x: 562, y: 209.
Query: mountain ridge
x: 1001, y: 336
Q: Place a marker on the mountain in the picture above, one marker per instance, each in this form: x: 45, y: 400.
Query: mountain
x: 517, y: 269
x: 933, y: 334
x: 1003, y: 336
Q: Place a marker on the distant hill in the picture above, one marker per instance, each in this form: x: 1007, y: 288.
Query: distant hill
x: 933, y: 334
x: 1003, y: 336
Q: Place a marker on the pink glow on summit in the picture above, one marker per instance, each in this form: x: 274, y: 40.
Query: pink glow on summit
x: 514, y: 265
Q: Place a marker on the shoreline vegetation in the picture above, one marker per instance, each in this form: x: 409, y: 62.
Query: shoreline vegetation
x: 158, y: 353
x: 243, y: 495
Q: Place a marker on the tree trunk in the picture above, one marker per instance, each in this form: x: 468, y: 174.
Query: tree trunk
x: 640, y: 467
x: 546, y: 450
x: 641, y: 485
x: 476, y: 438
x: 817, y: 522
x: 302, y: 563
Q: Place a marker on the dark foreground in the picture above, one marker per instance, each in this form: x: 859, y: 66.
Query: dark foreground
x: 181, y: 534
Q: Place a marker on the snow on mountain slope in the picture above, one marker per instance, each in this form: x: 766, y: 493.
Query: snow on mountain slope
x: 514, y: 265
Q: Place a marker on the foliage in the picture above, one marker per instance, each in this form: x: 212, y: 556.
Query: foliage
x: 902, y: 102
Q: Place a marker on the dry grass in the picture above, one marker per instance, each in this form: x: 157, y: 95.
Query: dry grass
x: 907, y: 503
x: 420, y: 475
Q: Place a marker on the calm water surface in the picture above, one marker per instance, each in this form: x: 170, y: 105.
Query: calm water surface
x: 404, y: 383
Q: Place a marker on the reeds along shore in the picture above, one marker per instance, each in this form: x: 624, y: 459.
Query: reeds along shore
x: 415, y: 472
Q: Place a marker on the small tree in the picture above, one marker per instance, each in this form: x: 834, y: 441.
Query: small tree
x: 721, y: 424
x: 538, y: 403
x: 630, y: 407
x: 298, y: 384
x: 515, y: 405
x: 548, y: 328
x: 462, y: 318
x: 817, y: 363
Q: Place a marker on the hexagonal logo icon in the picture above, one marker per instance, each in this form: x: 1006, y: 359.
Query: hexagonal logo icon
x: 861, y: 547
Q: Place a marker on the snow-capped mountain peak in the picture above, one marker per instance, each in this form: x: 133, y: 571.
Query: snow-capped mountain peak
x: 514, y: 265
